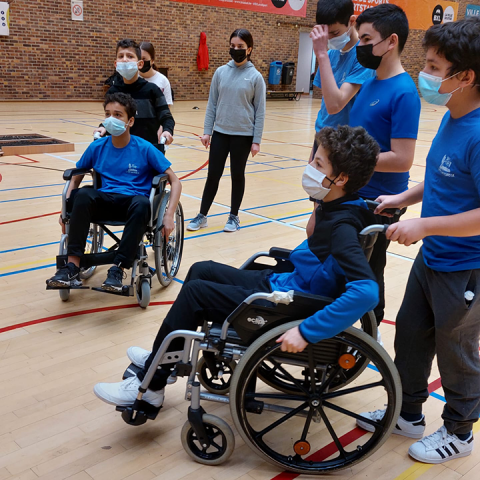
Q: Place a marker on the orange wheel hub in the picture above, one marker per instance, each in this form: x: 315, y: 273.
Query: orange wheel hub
x: 347, y: 361
x: 301, y: 447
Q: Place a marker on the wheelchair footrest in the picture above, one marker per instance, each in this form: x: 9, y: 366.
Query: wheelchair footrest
x: 78, y: 287
x: 138, y: 413
x: 127, y: 291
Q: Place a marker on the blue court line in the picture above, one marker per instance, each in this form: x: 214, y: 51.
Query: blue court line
x: 34, y: 186
x: 221, y: 231
x: 31, y: 198
x: 27, y: 270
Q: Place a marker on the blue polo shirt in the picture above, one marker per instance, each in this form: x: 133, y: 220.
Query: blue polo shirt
x: 346, y: 69
x: 387, y: 109
x: 128, y: 170
x: 452, y: 186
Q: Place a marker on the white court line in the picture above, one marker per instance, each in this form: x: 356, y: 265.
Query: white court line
x: 61, y: 158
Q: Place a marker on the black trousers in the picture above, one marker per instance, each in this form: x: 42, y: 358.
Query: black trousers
x: 221, y: 145
x: 435, y: 319
x: 91, y: 205
x: 211, y: 292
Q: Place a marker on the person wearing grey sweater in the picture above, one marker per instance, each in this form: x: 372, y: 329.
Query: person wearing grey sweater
x: 233, y: 125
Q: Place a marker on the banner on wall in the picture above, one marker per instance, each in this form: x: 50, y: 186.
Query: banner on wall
x: 296, y: 8
x: 472, y: 11
x: 421, y: 14
x: 4, y: 18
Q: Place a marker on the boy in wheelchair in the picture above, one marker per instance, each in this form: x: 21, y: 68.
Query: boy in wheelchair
x: 330, y: 262
x: 127, y: 165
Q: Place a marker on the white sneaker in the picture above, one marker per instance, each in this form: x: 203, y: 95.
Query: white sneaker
x: 138, y: 356
x: 200, y: 221
x: 407, y: 429
x: 125, y: 393
x: 233, y: 224
x: 440, y: 447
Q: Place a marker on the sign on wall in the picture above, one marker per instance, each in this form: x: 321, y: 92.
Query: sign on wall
x: 4, y: 18
x: 296, y: 8
x: 421, y: 14
x: 77, y: 10
x: 472, y: 11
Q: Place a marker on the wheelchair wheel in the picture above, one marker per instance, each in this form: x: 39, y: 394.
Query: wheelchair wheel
x: 94, y: 245
x: 64, y: 294
x: 270, y: 371
x: 213, y: 383
x: 143, y: 290
x: 221, y: 438
x: 313, y: 430
x: 168, y: 255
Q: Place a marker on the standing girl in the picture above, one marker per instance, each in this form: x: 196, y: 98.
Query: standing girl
x: 151, y: 75
x: 233, y: 125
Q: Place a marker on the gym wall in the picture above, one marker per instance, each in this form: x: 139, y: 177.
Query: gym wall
x: 50, y: 57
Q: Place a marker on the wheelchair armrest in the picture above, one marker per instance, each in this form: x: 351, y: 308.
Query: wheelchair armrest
x: 278, y: 252
x: 158, y: 179
x: 72, y: 172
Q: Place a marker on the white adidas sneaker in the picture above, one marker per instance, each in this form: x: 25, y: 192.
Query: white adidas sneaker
x: 407, y: 429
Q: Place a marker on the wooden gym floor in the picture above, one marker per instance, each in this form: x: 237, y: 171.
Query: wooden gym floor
x: 52, y: 353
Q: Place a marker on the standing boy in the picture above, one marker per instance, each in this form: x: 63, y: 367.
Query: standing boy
x: 441, y: 308
x: 388, y: 107
x: 153, y: 119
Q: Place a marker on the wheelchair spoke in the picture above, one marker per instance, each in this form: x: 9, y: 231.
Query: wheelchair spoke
x: 213, y: 444
x: 308, y: 421
x: 348, y: 391
x: 329, y: 380
x: 332, y: 432
x: 286, y: 417
x: 350, y: 414
x: 293, y: 380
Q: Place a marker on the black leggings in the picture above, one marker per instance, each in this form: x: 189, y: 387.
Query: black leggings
x: 221, y: 145
x: 211, y: 292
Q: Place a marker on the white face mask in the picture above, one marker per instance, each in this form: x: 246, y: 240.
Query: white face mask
x: 337, y: 43
x: 312, y: 183
x: 127, y: 69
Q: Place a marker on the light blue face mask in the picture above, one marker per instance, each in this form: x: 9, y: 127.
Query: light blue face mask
x: 127, y: 69
x: 114, y: 126
x: 429, y: 86
x: 337, y: 43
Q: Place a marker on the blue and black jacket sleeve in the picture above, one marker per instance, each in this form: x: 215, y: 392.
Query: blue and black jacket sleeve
x: 361, y: 288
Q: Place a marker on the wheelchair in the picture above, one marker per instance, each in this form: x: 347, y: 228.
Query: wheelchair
x: 167, y: 253
x: 296, y: 411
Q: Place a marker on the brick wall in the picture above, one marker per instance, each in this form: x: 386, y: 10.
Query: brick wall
x: 48, y: 56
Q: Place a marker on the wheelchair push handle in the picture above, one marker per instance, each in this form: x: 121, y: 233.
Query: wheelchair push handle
x: 375, y: 229
x: 395, y: 212
x: 275, y: 297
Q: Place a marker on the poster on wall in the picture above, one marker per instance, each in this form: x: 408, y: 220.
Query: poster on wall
x: 296, y: 8
x: 422, y: 14
x: 472, y: 11
x: 4, y: 18
x: 77, y: 10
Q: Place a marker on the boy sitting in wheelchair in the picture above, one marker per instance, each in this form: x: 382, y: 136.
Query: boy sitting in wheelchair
x: 126, y: 165
x: 330, y: 263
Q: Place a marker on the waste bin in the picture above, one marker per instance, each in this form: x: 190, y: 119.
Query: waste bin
x: 287, y: 73
x: 275, y: 73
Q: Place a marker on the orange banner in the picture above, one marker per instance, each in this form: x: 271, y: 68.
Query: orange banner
x: 421, y: 14
x: 296, y: 8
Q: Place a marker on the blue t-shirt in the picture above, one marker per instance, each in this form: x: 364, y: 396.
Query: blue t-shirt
x: 387, y: 109
x: 452, y: 186
x: 346, y: 69
x: 128, y: 170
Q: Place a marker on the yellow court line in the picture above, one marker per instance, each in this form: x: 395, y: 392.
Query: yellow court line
x: 13, y: 267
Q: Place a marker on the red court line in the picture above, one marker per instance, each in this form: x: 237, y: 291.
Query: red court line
x: 1, y: 178
x: 75, y: 314
x: 29, y: 218
x: 194, y: 171
x: 389, y: 322
x: 26, y: 158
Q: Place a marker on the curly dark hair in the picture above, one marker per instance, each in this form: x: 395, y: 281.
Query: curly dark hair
x: 352, y: 151
x: 459, y: 43
x: 387, y: 19
x: 123, y: 99
x: 128, y: 43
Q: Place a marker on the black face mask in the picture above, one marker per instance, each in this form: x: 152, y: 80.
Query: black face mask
x: 147, y: 65
x: 366, y: 58
x: 238, y: 55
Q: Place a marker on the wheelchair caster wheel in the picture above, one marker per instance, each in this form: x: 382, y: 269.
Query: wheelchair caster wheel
x: 64, y: 294
x: 215, y: 384
x: 220, y: 435
x: 143, y: 292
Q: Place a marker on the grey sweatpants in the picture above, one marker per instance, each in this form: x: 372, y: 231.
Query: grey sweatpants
x: 435, y: 319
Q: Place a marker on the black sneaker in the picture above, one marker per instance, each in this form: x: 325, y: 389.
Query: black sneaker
x: 113, y: 282
x: 66, y: 276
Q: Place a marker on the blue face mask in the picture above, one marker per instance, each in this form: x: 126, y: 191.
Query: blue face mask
x: 114, y: 126
x: 127, y: 69
x: 337, y: 43
x: 429, y: 86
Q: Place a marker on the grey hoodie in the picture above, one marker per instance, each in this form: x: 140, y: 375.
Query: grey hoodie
x: 236, y: 104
